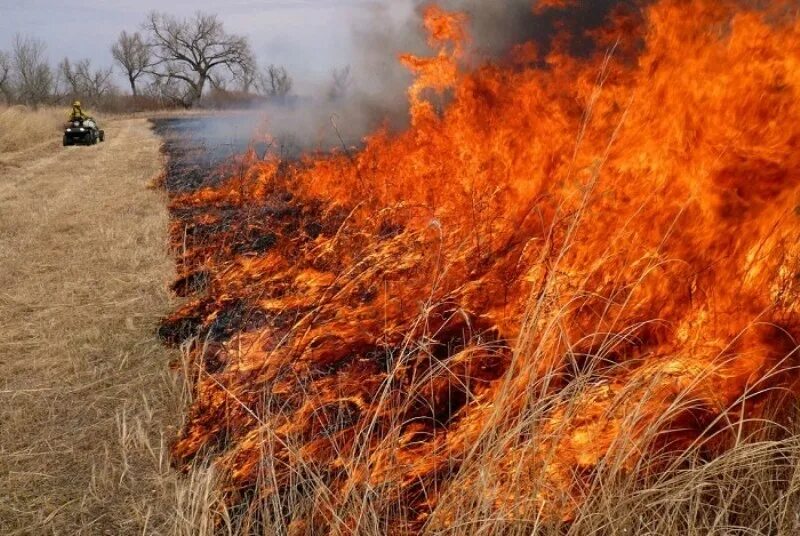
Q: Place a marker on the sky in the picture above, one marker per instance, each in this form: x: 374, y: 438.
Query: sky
x: 309, y: 37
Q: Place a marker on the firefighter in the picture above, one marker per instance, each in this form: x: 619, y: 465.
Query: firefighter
x: 77, y: 113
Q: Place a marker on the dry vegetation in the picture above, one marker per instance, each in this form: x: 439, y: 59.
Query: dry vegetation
x: 86, y: 399
x: 637, y: 292
x: 23, y: 128
x: 752, y: 489
x: 88, y: 407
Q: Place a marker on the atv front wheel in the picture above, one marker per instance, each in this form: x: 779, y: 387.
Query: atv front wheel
x: 102, y: 135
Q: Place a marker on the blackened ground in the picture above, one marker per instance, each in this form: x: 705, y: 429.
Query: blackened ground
x: 196, y: 146
x: 199, y: 156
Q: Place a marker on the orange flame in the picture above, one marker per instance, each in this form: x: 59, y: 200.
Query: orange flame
x: 594, y: 260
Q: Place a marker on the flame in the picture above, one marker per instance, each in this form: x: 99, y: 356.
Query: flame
x: 576, y: 260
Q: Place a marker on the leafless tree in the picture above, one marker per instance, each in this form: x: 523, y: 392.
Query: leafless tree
x: 192, y: 51
x: 84, y: 82
x: 275, y: 82
x: 219, y: 83
x: 341, y: 81
x: 133, y: 55
x: 34, y: 77
x: 67, y: 76
x: 166, y: 90
x: 249, y: 79
x: 5, y: 77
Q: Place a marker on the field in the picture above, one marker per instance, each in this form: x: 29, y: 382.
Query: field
x: 86, y: 398
x: 565, y: 300
x: 24, y: 128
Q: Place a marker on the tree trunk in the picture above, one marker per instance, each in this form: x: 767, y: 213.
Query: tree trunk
x: 197, y: 89
x: 133, y: 86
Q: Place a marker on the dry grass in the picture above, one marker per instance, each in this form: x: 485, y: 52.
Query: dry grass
x: 87, y: 405
x: 86, y: 397
x: 23, y: 128
x: 753, y: 488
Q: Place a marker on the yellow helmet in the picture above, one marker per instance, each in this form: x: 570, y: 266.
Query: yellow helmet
x: 77, y: 103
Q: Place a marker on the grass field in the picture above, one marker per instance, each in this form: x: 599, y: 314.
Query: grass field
x: 89, y: 406
x: 24, y: 127
x: 87, y: 402
x: 564, y: 305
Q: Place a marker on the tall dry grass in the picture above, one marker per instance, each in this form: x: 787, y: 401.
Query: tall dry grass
x: 22, y: 127
x: 753, y: 488
x: 750, y: 488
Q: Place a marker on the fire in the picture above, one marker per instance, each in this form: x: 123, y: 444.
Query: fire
x: 578, y: 262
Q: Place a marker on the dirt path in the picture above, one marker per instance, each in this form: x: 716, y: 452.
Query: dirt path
x: 85, y: 394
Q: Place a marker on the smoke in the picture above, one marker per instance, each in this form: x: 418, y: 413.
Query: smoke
x: 375, y: 95
x: 380, y: 82
x: 497, y: 26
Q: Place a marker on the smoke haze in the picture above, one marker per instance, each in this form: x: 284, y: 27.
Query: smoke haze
x: 376, y: 95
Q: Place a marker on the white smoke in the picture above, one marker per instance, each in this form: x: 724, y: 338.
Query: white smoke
x: 377, y: 94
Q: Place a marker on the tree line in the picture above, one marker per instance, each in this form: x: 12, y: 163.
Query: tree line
x: 168, y: 60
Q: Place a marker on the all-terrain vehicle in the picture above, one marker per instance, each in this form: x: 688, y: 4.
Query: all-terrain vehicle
x: 83, y: 132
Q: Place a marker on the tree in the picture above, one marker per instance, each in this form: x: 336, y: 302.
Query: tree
x: 275, y: 82
x: 341, y: 81
x: 83, y: 82
x: 249, y: 79
x: 67, y: 75
x: 34, y: 78
x: 133, y: 55
x: 166, y: 90
x: 5, y: 77
x: 192, y: 51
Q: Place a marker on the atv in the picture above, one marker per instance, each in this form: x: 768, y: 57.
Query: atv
x: 83, y: 131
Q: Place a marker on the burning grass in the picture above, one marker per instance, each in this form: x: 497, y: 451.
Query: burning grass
x: 570, y: 297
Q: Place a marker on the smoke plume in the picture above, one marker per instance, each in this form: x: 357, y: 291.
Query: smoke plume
x: 375, y: 95
x: 378, y: 95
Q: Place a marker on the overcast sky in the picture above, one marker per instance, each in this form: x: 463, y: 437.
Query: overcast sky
x: 309, y: 37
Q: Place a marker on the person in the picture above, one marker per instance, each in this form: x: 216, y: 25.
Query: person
x: 77, y: 113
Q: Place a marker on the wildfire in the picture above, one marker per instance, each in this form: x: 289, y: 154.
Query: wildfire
x: 579, y: 262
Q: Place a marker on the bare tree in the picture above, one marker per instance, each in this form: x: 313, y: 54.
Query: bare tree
x: 167, y: 91
x: 69, y: 76
x: 98, y: 81
x: 34, y: 78
x: 341, y: 81
x: 84, y: 82
x: 275, y: 82
x: 192, y: 51
x: 5, y: 77
x: 249, y: 79
x: 133, y: 55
